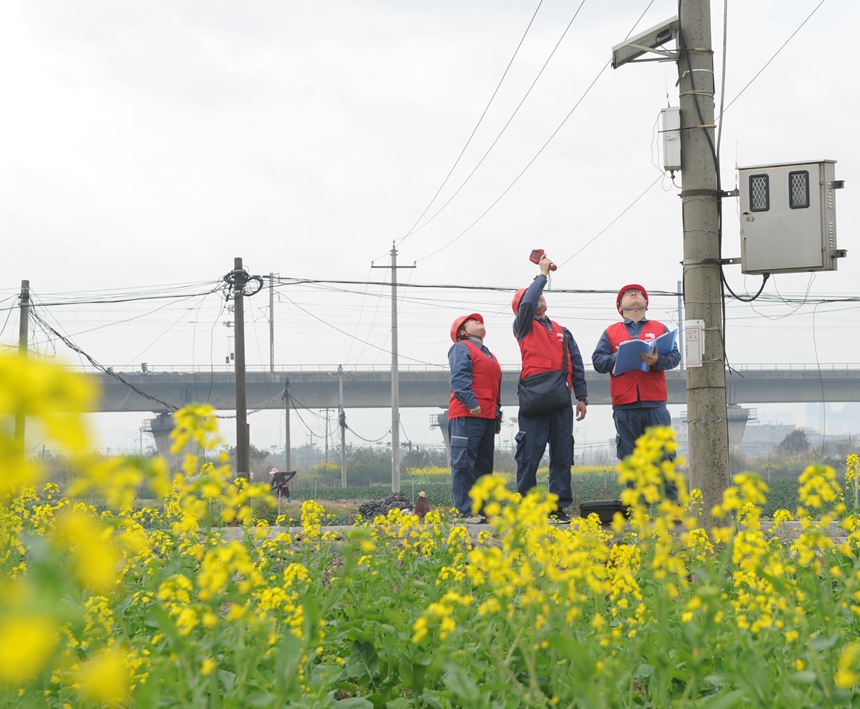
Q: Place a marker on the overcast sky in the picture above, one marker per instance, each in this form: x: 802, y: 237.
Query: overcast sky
x: 146, y: 145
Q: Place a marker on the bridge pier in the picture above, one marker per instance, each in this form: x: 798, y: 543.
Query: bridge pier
x: 161, y: 427
x: 441, y: 420
x: 738, y: 417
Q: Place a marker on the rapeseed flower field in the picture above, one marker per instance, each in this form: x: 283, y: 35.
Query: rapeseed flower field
x: 103, y: 604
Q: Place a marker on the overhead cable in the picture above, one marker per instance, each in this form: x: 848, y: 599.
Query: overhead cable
x: 501, y: 132
x: 100, y: 367
x: 758, y: 73
x: 539, y: 152
x: 474, y: 130
x: 369, y: 344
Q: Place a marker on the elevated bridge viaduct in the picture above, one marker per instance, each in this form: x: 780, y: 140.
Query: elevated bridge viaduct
x: 317, y: 387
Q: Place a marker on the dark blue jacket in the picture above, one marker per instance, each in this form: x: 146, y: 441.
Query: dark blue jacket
x: 527, y: 318
x: 460, y: 361
x: 603, y: 357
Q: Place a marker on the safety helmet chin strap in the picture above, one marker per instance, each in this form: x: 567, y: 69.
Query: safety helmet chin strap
x: 463, y: 335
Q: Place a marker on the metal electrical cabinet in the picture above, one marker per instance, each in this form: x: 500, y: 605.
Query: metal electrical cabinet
x: 788, y: 217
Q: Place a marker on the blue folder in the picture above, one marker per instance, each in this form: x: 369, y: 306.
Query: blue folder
x: 628, y: 358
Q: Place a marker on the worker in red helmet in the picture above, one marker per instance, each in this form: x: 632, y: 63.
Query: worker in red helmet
x: 552, y: 376
x: 638, y: 396
x: 474, y: 410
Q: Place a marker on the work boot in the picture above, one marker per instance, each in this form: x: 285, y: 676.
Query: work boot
x: 559, y: 517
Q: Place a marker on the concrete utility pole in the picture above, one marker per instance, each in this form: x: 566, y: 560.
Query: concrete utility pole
x: 326, y: 435
x: 341, y: 422
x: 707, y: 422
x: 681, y: 323
x: 395, y: 375
x: 23, y: 338
x: 271, y: 322
x: 243, y: 437
x: 287, y: 424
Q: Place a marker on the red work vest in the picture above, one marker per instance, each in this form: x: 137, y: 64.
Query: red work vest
x: 486, y: 379
x: 543, y: 351
x: 635, y: 385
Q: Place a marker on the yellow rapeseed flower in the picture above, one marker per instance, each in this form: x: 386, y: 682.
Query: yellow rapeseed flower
x: 55, y: 398
x: 26, y: 644
x: 818, y: 487
x: 847, y: 666
x: 105, y: 679
x: 94, y: 557
x: 419, y: 630
x: 195, y: 427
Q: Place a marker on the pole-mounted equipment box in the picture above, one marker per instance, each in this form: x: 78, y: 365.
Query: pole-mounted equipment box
x: 788, y: 217
x: 670, y: 129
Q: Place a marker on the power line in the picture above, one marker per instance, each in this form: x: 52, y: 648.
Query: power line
x: 452, y: 286
x: 606, y: 228
x: 100, y: 367
x: 767, y: 63
x: 369, y: 344
x: 159, y: 295
x: 522, y: 172
x: 501, y: 132
x: 474, y: 130
x: 539, y: 152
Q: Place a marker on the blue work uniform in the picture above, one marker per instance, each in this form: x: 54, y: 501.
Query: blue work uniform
x: 556, y: 427
x: 471, y: 437
x: 633, y: 419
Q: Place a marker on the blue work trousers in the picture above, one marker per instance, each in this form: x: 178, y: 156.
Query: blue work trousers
x: 535, y: 432
x: 472, y: 441
x: 630, y: 424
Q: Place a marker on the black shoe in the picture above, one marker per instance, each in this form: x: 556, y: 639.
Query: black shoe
x: 559, y: 517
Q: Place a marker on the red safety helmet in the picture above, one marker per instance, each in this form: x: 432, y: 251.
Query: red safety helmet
x: 518, y: 296
x: 630, y: 286
x: 459, y: 322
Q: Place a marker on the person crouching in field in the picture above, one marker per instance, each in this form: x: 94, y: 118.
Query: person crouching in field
x: 279, y: 481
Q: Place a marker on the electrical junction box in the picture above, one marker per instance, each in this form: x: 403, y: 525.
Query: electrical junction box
x: 788, y: 217
x: 670, y: 129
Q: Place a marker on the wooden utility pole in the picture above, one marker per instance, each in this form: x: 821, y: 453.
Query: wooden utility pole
x: 707, y: 421
x: 395, y: 375
x: 23, y: 339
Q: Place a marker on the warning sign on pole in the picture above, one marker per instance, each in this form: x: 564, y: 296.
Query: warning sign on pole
x: 694, y: 342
